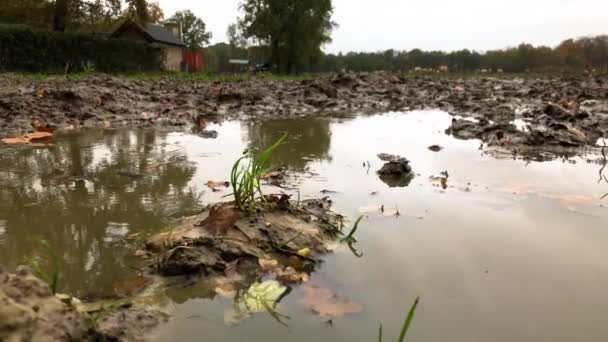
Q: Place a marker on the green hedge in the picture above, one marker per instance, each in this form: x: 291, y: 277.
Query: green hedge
x: 44, y: 51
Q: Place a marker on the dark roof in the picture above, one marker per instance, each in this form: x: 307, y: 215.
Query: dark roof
x: 153, y: 33
x: 162, y: 35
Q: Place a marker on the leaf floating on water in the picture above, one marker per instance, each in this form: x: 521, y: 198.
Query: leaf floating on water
x: 131, y: 286
x: 435, y: 148
x: 326, y: 303
x: 261, y: 296
x: 271, y: 174
x: 29, y: 138
x: 225, y: 287
x: 214, y: 185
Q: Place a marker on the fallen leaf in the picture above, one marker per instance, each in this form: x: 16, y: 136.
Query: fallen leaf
x: 435, y: 148
x: 131, y: 286
x: 214, y: 185
x: 261, y: 296
x: 271, y: 174
x: 291, y: 276
x: 268, y: 265
x: 225, y: 287
x: 133, y: 236
x: 28, y: 138
x: 577, y: 132
x: 40, y: 93
x: 222, y: 217
x: 325, y: 303
x: 107, y: 124
x: 304, y: 252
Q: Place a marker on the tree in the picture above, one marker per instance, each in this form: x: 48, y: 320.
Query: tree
x: 571, y: 54
x: 60, y: 17
x: 295, y: 30
x: 139, y: 11
x: 156, y: 13
x: 194, y: 29
x: 235, y: 37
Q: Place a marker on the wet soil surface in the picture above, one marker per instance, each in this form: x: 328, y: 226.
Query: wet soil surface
x: 515, y: 113
x: 30, y: 312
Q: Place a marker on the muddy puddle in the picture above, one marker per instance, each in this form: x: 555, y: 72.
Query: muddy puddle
x: 498, y: 248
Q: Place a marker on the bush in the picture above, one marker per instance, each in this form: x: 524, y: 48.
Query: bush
x: 45, y: 51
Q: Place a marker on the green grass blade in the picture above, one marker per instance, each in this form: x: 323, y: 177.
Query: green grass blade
x: 408, y: 321
x: 380, y: 333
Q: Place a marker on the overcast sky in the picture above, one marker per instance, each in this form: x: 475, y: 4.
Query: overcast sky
x: 433, y: 24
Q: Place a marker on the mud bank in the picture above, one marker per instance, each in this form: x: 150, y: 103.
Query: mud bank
x: 30, y: 312
x: 284, y: 239
x: 559, y: 111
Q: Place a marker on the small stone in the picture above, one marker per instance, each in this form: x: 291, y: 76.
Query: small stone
x: 267, y: 224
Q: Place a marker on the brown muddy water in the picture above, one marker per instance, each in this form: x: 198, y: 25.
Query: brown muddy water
x: 511, y: 250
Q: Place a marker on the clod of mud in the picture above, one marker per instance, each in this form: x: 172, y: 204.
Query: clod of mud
x: 221, y: 238
x: 397, y: 172
x: 30, y: 312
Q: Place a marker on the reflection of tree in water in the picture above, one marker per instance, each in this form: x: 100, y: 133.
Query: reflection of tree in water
x: 84, y: 195
x: 309, y: 139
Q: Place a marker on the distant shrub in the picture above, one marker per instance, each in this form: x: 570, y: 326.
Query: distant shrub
x: 46, y: 51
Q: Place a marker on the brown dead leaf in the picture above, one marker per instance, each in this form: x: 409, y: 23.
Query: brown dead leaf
x: 40, y: 137
x: 271, y: 174
x: 291, y: 276
x: 40, y: 93
x: 268, y: 265
x: 325, y: 303
x: 215, y: 185
x: 222, y: 217
x: 131, y: 286
x: 225, y: 287
x: 577, y: 132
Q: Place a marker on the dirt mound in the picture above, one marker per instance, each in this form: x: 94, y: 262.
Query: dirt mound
x: 223, y: 236
x: 30, y: 312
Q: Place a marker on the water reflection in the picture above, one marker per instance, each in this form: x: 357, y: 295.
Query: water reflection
x: 308, y: 140
x: 85, y: 195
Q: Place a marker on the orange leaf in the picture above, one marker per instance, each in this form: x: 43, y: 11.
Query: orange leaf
x: 325, y: 303
x: 28, y: 138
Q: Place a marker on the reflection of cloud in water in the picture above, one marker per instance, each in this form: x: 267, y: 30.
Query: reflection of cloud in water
x: 2, y: 230
x: 116, y: 231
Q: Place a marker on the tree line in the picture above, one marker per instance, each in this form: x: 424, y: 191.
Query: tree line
x: 571, y: 55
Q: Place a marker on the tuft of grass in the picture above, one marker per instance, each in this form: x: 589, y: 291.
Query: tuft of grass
x: 406, y: 324
x: 51, y: 277
x: 246, y: 175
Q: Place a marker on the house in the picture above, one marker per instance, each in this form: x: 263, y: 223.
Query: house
x: 167, y: 35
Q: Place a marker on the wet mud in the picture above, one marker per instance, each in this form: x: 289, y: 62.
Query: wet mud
x: 30, y: 312
x: 552, y: 112
x: 285, y: 238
